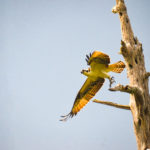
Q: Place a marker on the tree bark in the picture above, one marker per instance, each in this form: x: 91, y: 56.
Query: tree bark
x: 132, y: 51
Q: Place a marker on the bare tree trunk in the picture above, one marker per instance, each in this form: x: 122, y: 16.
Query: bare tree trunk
x: 139, y: 100
x: 131, y: 49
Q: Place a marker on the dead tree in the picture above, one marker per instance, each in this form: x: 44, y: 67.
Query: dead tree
x: 132, y: 51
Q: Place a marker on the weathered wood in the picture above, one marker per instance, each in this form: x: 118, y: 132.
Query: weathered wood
x: 131, y: 49
x: 127, y: 107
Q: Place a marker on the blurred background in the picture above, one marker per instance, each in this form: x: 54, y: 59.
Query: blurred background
x: 42, y: 51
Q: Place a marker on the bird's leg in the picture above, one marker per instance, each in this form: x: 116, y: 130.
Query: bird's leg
x: 111, y: 81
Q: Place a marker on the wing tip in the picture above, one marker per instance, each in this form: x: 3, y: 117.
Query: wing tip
x: 88, y: 58
x: 66, y: 117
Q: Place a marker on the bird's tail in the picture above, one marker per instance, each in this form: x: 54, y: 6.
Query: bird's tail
x: 117, y: 67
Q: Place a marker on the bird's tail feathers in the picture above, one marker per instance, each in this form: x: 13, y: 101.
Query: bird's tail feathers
x: 117, y: 67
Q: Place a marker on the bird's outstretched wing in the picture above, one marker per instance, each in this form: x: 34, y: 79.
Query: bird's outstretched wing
x: 97, y: 57
x: 88, y: 90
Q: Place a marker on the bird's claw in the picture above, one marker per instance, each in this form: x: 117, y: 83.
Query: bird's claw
x: 112, y: 80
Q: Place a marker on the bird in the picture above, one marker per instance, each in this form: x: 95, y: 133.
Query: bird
x: 96, y: 74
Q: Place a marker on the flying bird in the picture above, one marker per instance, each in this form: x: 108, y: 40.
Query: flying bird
x: 96, y: 74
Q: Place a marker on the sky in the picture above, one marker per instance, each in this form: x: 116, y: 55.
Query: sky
x: 42, y: 52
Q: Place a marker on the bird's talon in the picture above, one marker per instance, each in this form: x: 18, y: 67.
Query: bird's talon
x: 112, y: 80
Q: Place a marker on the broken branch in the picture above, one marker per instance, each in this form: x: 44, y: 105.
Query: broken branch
x: 121, y: 88
x: 147, y: 75
x: 127, y: 107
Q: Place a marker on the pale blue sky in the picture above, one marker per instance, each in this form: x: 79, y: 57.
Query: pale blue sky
x: 42, y: 51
